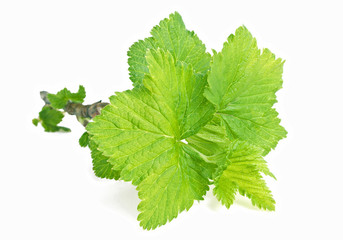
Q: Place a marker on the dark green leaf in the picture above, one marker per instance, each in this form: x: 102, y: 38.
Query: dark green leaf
x: 84, y: 139
x: 50, y: 118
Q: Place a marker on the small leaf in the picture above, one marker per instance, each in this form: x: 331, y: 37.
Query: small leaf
x: 50, y: 118
x: 60, y: 99
x: 35, y: 121
x: 84, y: 139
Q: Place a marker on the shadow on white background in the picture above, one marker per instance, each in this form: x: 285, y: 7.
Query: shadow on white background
x: 123, y: 197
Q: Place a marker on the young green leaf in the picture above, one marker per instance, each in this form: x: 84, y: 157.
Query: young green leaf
x: 170, y: 35
x: 242, y: 86
x: 50, y: 118
x: 211, y: 140
x: 60, y: 99
x: 35, y: 121
x: 141, y: 132
x: 241, y: 172
x: 84, y: 139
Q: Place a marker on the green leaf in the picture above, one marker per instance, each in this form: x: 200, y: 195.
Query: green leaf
x: 242, y: 86
x: 138, y: 66
x: 84, y: 139
x: 141, y: 132
x: 101, y: 167
x: 50, y: 118
x: 225, y: 189
x: 241, y: 172
x: 179, y: 91
x: 173, y: 188
x: 170, y: 35
x: 35, y: 121
x: 211, y: 140
x: 60, y: 99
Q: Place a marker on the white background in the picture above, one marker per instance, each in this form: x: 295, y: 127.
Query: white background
x: 48, y: 190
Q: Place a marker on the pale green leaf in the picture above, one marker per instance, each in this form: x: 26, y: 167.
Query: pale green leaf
x: 242, y: 85
x: 225, y: 190
x: 173, y: 188
x: 212, y: 141
x: 179, y: 91
x: 141, y: 130
x: 170, y: 35
x: 241, y: 172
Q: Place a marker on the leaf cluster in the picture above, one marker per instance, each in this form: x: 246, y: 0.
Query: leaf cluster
x: 51, y: 115
x: 192, y: 119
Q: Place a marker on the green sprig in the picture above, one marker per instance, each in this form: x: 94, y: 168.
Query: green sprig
x: 190, y: 121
